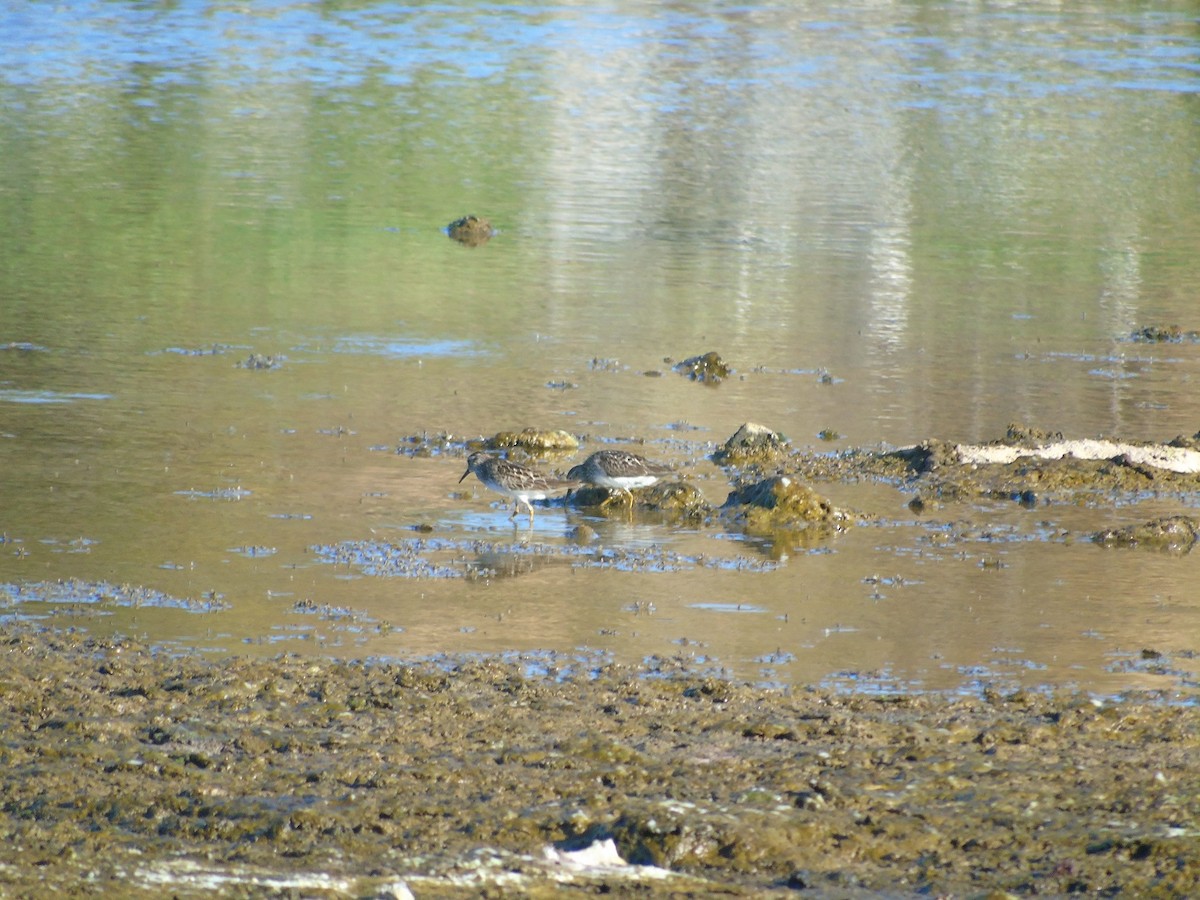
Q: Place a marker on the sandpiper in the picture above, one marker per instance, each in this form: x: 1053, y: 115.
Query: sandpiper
x: 619, y: 471
x: 514, y: 480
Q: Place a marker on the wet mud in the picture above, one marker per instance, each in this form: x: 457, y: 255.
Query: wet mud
x: 152, y: 774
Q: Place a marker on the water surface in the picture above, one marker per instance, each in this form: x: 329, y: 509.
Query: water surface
x: 895, y: 221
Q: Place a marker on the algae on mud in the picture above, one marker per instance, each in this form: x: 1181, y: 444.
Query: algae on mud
x: 128, y: 768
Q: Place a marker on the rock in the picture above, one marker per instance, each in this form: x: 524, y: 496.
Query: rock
x: 927, y: 456
x: 470, y: 230
x: 1157, y: 334
x: 534, y: 440
x: 709, y: 368
x: 752, y: 443
x: 261, y: 361
x: 780, y: 502
x: 1174, y: 534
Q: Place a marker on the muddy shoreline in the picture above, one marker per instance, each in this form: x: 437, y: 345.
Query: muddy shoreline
x: 310, y: 777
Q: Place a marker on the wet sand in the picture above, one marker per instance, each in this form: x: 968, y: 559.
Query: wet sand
x: 140, y: 772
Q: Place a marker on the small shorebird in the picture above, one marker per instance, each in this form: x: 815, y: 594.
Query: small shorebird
x: 618, y: 471
x: 514, y: 480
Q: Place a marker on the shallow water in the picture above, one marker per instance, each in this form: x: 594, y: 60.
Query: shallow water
x: 894, y: 222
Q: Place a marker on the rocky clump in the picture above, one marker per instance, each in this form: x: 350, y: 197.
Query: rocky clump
x: 261, y: 361
x: 533, y: 440
x: 1171, y: 534
x: 752, y: 444
x: 708, y: 368
x: 780, y: 502
x: 1158, y: 334
x: 471, y: 231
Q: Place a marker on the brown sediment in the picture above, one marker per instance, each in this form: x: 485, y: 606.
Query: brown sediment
x: 133, y: 770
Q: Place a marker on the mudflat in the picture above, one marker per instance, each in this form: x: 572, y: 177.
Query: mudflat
x: 130, y: 769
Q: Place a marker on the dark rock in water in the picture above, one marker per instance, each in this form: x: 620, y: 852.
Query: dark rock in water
x: 1159, y: 334
x: 261, y: 361
x: 708, y: 368
x: 470, y: 230
x: 1174, y: 534
x: 752, y: 443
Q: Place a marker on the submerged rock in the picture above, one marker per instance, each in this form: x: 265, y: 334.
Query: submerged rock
x: 1157, y: 334
x: 535, y: 440
x: 1174, y: 534
x: 470, y: 230
x: 709, y: 368
x: 752, y: 443
x: 261, y: 361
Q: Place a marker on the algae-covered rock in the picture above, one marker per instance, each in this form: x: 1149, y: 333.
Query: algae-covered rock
x: 678, y: 499
x: 708, y: 368
x: 752, y: 443
x: 534, y: 440
x: 1173, y: 534
x: 780, y: 502
x: 471, y: 231
x: 674, y: 497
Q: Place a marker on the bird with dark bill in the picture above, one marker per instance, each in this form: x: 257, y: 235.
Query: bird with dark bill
x: 514, y: 480
x: 618, y: 470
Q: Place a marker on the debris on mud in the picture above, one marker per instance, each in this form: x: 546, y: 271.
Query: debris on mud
x: 1171, y: 534
x: 152, y: 773
x: 471, y: 231
x: 708, y: 368
x: 752, y: 443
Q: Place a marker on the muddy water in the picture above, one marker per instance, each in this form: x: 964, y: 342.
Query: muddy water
x: 887, y: 225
